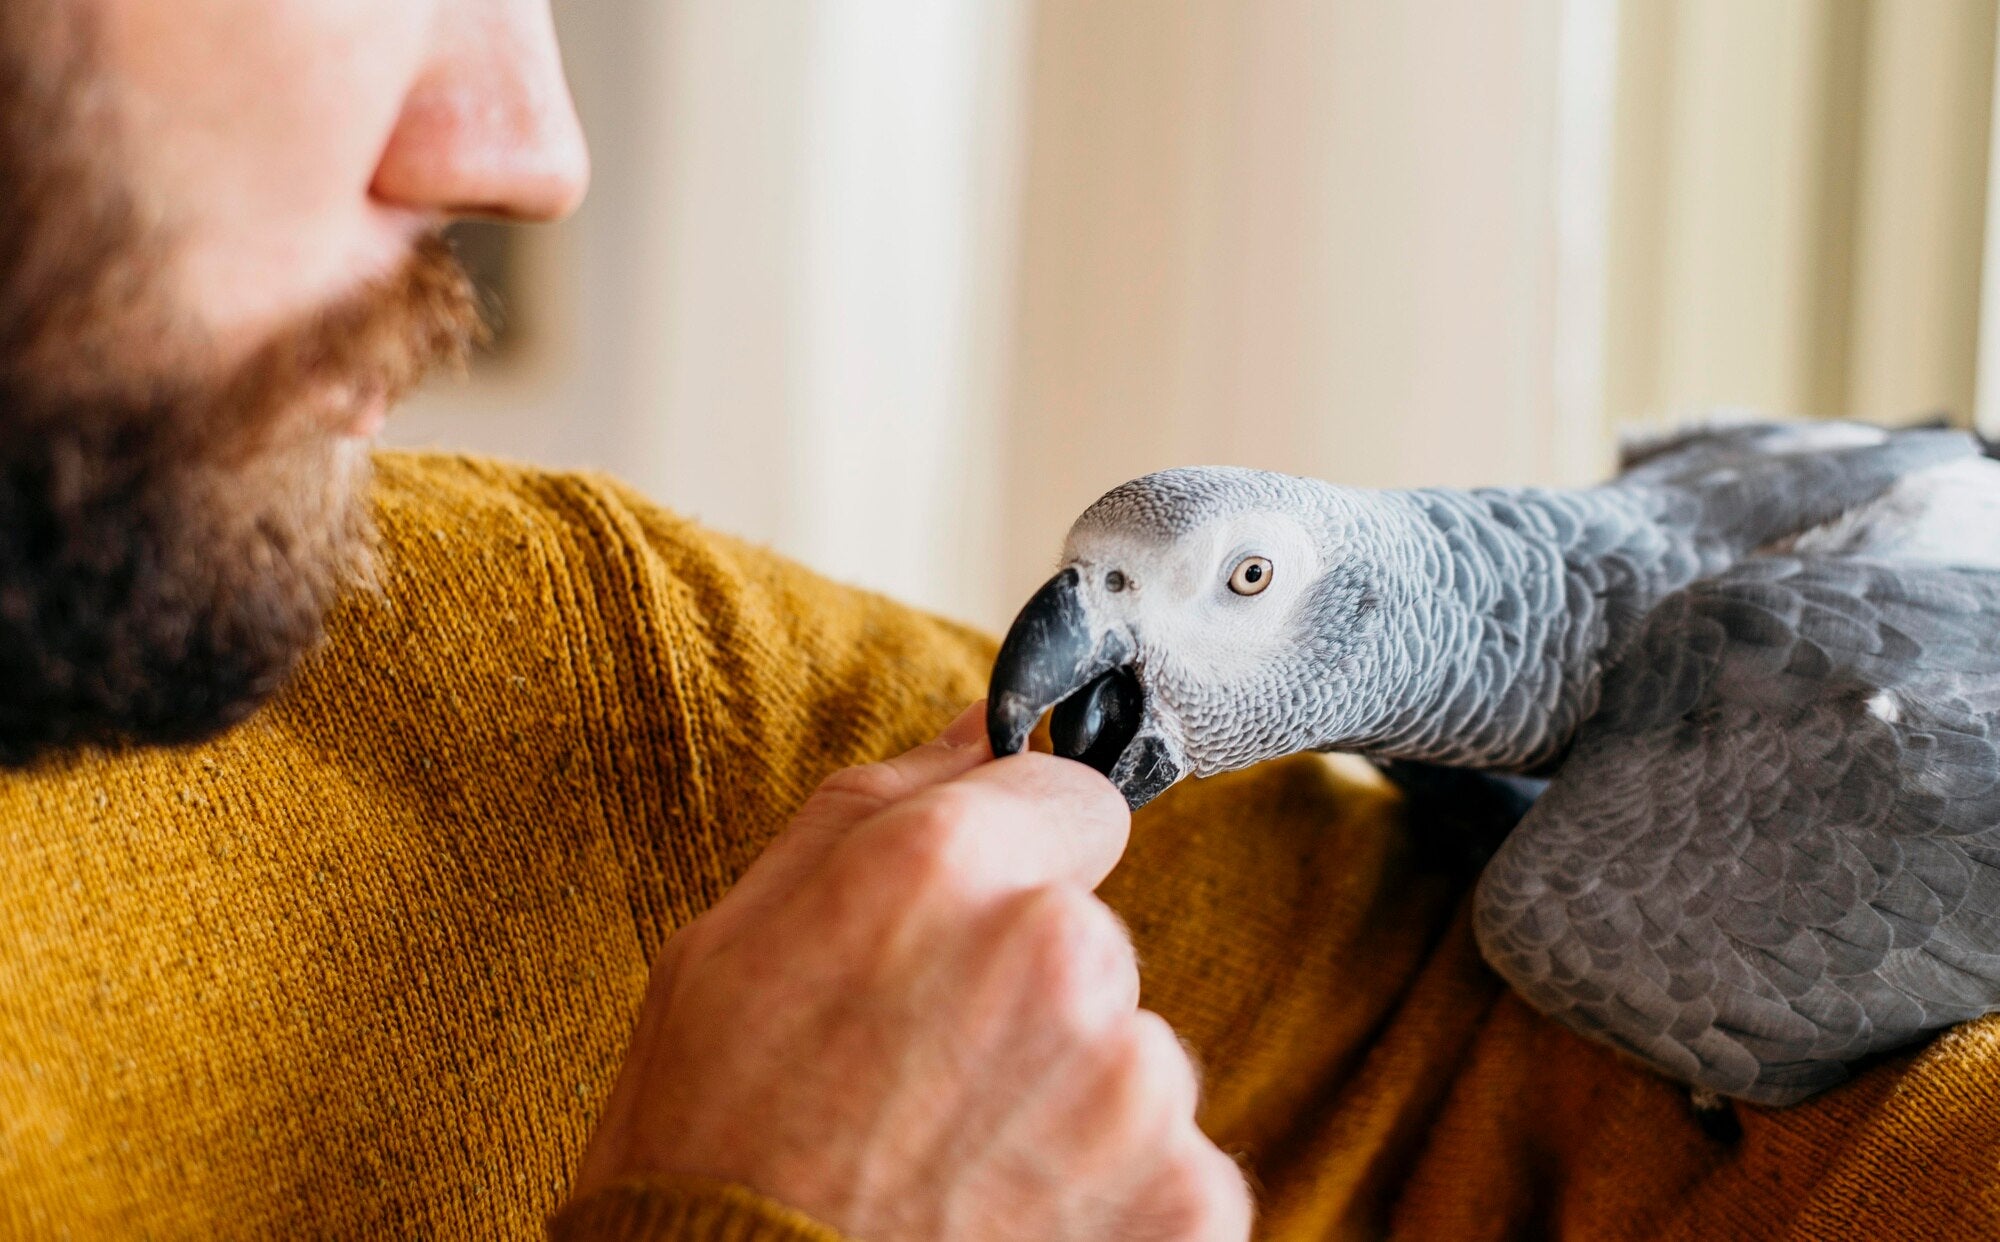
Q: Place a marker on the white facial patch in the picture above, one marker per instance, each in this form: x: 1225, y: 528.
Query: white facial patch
x: 1177, y: 598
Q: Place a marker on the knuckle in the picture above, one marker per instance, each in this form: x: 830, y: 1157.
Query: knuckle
x: 1232, y: 1205
x: 872, y: 784
x: 933, y: 842
x: 1167, y: 1059
x: 1143, y: 1082
x: 1079, y: 955
x: 1201, y: 1195
x: 690, y: 943
x: 1160, y: 1072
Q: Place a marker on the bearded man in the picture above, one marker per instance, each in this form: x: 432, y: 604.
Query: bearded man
x: 404, y: 845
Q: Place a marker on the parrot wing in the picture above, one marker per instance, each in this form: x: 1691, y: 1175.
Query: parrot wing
x: 1727, y: 441
x: 1747, y: 487
x: 1775, y: 847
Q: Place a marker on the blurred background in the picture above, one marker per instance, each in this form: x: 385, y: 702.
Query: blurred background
x: 899, y: 286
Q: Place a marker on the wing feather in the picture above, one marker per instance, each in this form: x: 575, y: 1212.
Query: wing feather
x: 1775, y: 848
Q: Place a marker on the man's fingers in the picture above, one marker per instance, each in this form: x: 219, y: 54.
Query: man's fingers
x: 1077, y: 823
x: 943, y: 813
x: 856, y: 793
x: 852, y: 795
x: 1023, y: 822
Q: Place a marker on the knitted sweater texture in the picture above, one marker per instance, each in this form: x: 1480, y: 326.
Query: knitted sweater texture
x: 365, y: 966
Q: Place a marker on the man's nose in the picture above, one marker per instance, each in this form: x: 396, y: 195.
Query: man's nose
x: 488, y: 128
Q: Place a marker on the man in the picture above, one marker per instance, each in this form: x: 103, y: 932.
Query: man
x: 417, y: 850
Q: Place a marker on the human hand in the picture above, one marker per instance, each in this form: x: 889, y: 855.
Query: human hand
x: 912, y: 1020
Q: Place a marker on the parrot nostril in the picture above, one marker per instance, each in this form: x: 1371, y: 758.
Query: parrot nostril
x: 1096, y: 724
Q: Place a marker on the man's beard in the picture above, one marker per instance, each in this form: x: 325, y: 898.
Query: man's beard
x: 171, y: 534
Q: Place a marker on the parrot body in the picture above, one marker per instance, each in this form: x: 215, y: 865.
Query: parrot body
x: 1759, y: 667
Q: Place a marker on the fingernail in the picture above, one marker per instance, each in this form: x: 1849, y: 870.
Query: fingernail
x: 969, y: 729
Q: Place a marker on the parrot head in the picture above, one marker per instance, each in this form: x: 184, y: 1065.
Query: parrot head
x: 1203, y: 619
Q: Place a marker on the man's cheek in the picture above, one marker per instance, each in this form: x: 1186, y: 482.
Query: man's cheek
x: 251, y: 132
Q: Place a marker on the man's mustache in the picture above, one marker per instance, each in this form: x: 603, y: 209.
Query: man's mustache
x: 380, y: 342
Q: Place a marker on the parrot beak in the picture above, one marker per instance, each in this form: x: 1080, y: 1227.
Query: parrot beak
x: 1056, y: 657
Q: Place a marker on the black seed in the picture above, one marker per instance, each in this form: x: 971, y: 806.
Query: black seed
x: 1094, y: 725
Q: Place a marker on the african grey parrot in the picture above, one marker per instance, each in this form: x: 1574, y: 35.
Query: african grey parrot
x: 1761, y: 667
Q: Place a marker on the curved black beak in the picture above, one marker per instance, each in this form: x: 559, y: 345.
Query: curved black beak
x: 1057, y: 656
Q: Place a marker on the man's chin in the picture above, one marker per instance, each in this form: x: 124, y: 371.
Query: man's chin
x: 170, y: 537
x: 163, y: 604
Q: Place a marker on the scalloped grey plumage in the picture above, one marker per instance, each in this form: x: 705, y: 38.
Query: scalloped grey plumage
x: 1769, y: 698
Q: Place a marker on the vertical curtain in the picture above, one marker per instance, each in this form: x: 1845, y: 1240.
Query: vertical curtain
x: 899, y: 286
x: 1799, y: 206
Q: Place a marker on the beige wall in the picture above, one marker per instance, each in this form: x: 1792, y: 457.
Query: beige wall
x: 1310, y: 236
x: 1799, y: 206
x: 898, y: 286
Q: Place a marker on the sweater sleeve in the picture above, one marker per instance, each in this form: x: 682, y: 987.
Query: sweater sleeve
x: 683, y: 1209
x: 655, y: 699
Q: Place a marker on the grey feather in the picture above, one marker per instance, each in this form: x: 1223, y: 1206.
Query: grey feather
x: 1761, y: 666
x: 1835, y: 857
x: 1469, y: 628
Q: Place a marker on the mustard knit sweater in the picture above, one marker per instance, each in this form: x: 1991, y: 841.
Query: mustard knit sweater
x: 365, y: 966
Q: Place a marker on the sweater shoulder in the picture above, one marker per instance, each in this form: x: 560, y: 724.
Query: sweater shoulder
x: 709, y: 683
x: 604, y: 559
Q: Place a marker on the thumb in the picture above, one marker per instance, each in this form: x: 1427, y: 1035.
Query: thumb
x: 848, y: 797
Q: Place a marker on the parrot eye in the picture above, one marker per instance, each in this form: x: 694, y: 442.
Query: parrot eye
x: 1252, y: 575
